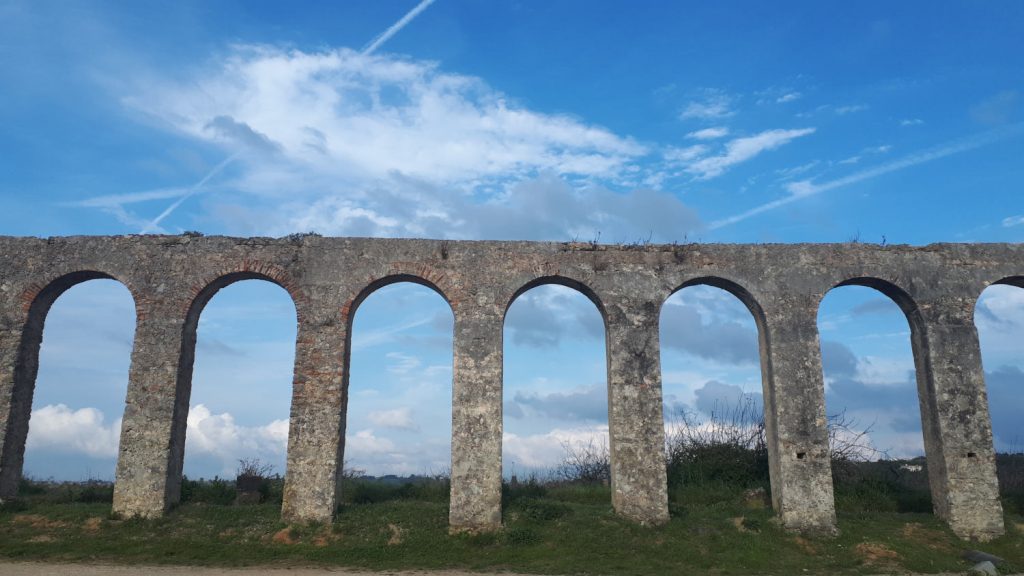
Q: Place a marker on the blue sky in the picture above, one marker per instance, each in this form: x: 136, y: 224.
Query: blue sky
x: 731, y: 122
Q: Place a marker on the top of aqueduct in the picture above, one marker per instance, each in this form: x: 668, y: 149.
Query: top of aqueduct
x: 500, y: 270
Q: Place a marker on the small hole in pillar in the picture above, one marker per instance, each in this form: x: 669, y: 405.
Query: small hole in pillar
x: 800, y: 455
x: 972, y: 455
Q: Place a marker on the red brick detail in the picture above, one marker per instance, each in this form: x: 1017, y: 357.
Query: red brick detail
x: 257, y: 269
x: 425, y: 272
x: 29, y: 295
x: 346, y: 310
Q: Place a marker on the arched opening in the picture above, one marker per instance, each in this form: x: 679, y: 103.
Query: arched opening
x: 873, y: 399
x: 999, y: 317
x: 70, y: 386
x: 239, y: 393
x: 555, y: 390
x: 713, y: 395
x: 399, y: 409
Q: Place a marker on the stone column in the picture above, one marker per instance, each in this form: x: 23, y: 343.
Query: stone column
x: 796, y: 426
x: 955, y: 418
x: 316, y: 428
x: 151, y: 451
x: 17, y: 381
x: 476, y: 418
x: 635, y: 419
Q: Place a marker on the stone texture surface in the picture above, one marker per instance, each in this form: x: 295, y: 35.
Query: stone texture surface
x: 173, y: 277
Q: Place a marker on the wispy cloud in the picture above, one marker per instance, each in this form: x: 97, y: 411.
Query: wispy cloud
x: 715, y: 105
x: 154, y: 225
x: 1013, y: 221
x: 709, y: 133
x: 396, y: 27
x: 789, y: 97
x: 911, y: 122
x: 850, y: 109
x: 343, y: 143
x: 743, y: 149
x: 806, y: 188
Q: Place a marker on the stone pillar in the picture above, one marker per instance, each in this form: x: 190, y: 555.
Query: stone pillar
x: 151, y: 451
x: 316, y: 428
x: 476, y: 419
x: 17, y: 379
x: 955, y: 419
x: 796, y: 426
x: 635, y: 418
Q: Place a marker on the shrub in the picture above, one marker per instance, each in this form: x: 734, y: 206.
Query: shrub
x: 587, y: 463
x: 727, y: 448
x: 214, y: 491
x: 66, y: 492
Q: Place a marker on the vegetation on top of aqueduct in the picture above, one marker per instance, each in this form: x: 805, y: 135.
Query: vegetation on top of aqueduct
x: 721, y: 521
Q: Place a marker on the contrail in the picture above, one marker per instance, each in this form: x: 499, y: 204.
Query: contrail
x: 806, y: 188
x: 396, y: 27
x: 155, y: 224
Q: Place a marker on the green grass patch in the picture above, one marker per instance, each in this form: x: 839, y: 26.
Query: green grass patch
x: 547, y: 529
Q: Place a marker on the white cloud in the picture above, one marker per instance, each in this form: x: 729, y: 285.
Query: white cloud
x: 742, y: 149
x: 545, y: 451
x: 402, y: 364
x: 882, y: 371
x: 789, y: 97
x: 911, y: 122
x: 712, y: 133
x: 715, y: 105
x: 850, y: 109
x: 684, y: 156
x: 1013, y: 221
x: 344, y: 143
x: 58, y: 428
x: 220, y: 437
x: 999, y: 316
x: 365, y: 443
x: 805, y: 188
x: 343, y: 112
x: 400, y: 418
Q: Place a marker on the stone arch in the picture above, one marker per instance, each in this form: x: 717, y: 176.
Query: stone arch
x: 201, y: 294
x: 423, y: 276
x: 559, y: 280
x: 1017, y: 281
x: 36, y: 301
x: 925, y: 391
x: 895, y: 293
x: 751, y: 303
x: 431, y: 281
x: 1001, y: 368
x: 594, y: 352
x: 732, y: 287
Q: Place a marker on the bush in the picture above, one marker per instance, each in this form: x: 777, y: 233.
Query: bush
x: 214, y: 491
x: 729, y: 448
x: 587, y: 463
x: 367, y: 490
x: 64, y: 492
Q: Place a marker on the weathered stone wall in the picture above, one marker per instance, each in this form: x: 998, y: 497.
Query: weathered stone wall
x: 172, y: 278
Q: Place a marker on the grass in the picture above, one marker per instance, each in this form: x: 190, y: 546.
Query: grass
x: 547, y: 530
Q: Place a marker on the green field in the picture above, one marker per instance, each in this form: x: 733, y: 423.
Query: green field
x: 548, y: 529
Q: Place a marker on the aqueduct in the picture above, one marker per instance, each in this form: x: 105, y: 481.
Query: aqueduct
x: 172, y: 277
